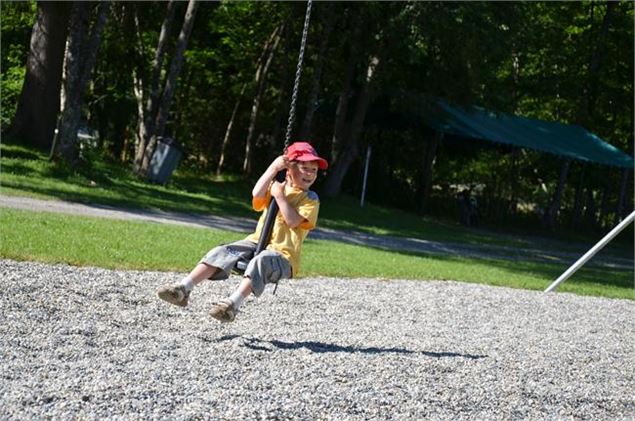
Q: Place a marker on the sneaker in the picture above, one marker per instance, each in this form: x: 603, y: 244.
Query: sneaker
x: 174, y: 294
x: 223, y: 311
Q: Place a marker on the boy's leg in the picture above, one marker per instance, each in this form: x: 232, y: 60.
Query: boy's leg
x: 179, y: 293
x: 216, y: 265
x: 226, y: 309
x: 268, y: 267
x: 242, y: 291
x: 201, y: 272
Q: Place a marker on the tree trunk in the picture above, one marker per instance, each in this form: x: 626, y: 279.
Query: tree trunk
x: 577, y: 202
x: 312, y: 100
x: 553, y: 209
x: 604, y: 201
x: 163, y: 109
x: 228, y: 131
x: 276, y: 140
x: 590, y: 208
x: 39, y: 103
x: 260, y: 81
x: 230, y: 124
x: 139, y: 87
x: 620, y: 212
x: 333, y: 183
x: 425, y: 180
x: 341, y: 111
x: 157, y: 66
x: 147, y: 102
x: 81, y: 55
x: 587, y: 107
x: 140, y: 134
x: 512, y: 208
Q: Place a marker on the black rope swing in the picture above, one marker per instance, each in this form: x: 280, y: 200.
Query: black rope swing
x: 272, y: 211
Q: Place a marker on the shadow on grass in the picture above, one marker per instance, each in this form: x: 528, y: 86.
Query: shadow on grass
x: 149, y: 197
x: 113, y: 184
x: 21, y: 153
x: 322, y: 347
x: 337, y: 215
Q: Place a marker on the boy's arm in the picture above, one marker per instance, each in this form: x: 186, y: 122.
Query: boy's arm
x: 289, y: 213
x: 262, y: 185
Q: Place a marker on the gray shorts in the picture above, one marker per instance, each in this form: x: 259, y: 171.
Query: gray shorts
x: 268, y: 267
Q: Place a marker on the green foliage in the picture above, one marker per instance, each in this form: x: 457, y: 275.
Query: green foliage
x: 10, y: 85
x: 527, y: 58
x: 16, y: 22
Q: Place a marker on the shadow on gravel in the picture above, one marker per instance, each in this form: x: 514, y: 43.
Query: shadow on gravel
x: 321, y: 347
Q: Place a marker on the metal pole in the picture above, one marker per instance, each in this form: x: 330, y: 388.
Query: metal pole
x: 582, y: 260
x: 361, y: 202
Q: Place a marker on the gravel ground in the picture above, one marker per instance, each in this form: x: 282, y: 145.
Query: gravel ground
x: 92, y: 343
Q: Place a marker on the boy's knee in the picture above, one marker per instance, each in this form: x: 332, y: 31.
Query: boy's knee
x: 266, y: 268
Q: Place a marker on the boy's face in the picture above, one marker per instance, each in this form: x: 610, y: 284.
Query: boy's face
x: 303, y: 173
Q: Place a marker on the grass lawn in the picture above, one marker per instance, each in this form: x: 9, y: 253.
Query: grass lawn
x: 129, y: 245
x: 88, y: 241
x: 27, y: 172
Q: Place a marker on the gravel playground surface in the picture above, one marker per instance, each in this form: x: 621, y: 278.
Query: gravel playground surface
x: 92, y: 343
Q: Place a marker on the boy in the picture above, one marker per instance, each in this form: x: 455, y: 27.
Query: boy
x: 297, y: 215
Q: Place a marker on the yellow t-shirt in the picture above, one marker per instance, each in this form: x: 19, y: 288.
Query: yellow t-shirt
x: 285, y: 240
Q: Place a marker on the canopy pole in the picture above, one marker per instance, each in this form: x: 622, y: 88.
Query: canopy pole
x: 587, y: 256
x: 361, y: 200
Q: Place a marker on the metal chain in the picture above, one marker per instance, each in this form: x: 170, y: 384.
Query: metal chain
x: 298, y: 72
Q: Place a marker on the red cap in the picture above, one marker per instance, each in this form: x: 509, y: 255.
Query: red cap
x: 303, y: 151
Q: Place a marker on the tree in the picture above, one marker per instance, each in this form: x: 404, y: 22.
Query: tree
x: 585, y: 109
x: 155, y: 117
x: 350, y: 148
x: 534, y: 59
x: 228, y: 131
x: 312, y: 100
x: 260, y: 80
x: 262, y: 66
x: 81, y: 53
x: 346, y: 140
x: 39, y: 101
x: 147, y: 108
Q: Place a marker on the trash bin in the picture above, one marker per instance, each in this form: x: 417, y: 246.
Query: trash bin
x: 164, y: 161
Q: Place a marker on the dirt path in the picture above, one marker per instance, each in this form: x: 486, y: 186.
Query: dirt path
x: 417, y: 245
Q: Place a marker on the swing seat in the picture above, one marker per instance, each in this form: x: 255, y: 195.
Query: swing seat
x: 241, y: 266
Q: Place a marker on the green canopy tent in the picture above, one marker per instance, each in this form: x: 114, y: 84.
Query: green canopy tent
x: 571, y: 142
x: 567, y: 140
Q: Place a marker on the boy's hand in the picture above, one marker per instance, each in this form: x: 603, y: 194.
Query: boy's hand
x: 280, y: 163
x: 262, y: 185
